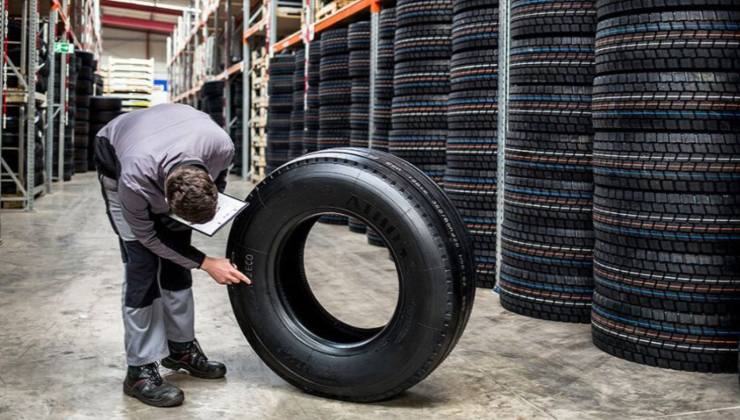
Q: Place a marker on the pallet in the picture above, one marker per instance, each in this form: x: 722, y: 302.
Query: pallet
x: 289, y: 12
x: 331, y: 8
x: 258, y: 174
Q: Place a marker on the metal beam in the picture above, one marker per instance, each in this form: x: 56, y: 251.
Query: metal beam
x: 50, y: 108
x: 32, y: 28
x: 134, y: 24
x: 140, y: 7
x: 504, y: 46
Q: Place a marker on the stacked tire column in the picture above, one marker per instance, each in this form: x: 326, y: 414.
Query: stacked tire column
x: 236, y: 129
x: 667, y: 191
x: 103, y: 109
x: 383, y: 93
x: 212, y: 101
x: 335, y: 96
x: 313, y: 102
x: 421, y: 84
x: 297, y: 114
x: 547, y: 233
x: 71, y: 83
x: 470, y: 177
x: 84, y: 89
x: 279, y: 109
x: 359, y: 71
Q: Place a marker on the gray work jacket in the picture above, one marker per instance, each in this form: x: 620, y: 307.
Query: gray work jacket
x: 141, y: 148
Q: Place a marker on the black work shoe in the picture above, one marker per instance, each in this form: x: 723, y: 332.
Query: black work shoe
x: 145, y: 384
x: 190, y: 358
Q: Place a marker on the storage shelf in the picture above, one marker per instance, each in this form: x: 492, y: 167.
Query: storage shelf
x: 201, y: 23
x: 340, y: 16
x: 233, y: 69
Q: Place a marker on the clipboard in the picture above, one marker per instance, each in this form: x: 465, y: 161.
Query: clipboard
x: 227, y: 209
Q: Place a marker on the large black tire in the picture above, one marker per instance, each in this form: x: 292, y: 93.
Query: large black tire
x: 283, y: 321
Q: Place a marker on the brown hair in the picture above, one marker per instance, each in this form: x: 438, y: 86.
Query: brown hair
x: 191, y: 194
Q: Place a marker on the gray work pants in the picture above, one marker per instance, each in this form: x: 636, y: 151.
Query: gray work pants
x: 157, y: 296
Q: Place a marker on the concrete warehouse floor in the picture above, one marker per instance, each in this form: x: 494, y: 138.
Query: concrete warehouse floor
x: 61, y: 351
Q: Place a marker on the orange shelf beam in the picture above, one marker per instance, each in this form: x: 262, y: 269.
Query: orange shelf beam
x: 287, y: 42
x: 340, y: 16
x: 67, y: 26
x: 234, y: 68
x: 253, y: 30
x: 191, y: 92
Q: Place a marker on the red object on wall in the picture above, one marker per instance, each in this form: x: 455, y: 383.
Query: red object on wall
x: 134, y: 24
x: 140, y: 7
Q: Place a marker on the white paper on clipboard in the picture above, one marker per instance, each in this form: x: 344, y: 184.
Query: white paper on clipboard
x: 228, y: 207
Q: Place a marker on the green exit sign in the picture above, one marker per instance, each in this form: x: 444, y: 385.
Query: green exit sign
x: 64, y: 48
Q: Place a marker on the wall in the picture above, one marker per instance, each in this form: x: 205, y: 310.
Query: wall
x: 129, y: 44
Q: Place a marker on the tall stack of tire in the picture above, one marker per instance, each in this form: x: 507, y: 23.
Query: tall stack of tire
x: 383, y: 94
x: 11, y: 143
x: 236, y: 129
x: 313, y: 102
x: 335, y: 90
x: 71, y: 85
x: 98, y: 84
x: 84, y: 89
x: 335, y: 97
x: 279, y: 109
x: 470, y: 176
x: 211, y: 101
x: 421, y: 84
x: 358, y: 43
x: 547, y: 233
x: 667, y: 197
x: 297, y: 114
x: 103, y: 109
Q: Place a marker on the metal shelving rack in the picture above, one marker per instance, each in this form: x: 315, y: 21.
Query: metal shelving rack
x: 268, y: 25
x: 25, y: 97
x: 53, y: 104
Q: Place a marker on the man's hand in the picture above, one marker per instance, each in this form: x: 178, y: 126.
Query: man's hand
x: 223, y: 271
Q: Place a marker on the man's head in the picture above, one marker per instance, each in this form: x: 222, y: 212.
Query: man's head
x: 191, y: 194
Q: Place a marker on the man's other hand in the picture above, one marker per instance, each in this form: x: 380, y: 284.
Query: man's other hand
x: 223, y: 271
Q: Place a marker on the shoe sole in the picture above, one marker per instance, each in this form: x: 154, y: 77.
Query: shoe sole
x: 162, y: 404
x: 173, y: 365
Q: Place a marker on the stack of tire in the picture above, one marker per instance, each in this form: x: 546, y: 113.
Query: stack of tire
x: 547, y: 233
x: 297, y: 115
x: 667, y: 198
x: 313, y: 102
x: 335, y: 90
x: 383, y: 94
x: 11, y: 131
x: 103, y: 109
x: 98, y: 84
x: 335, y: 97
x: 358, y: 43
x: 212, y: 101
x: 42, y: 67
x: 84, y: 89
x: 14, y: 36
x: 470, y: 176
x: 279, y: 109
x: 236, y: 129
x: 11, y: 149
x: 71, y: 85
x: 421, y: 84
